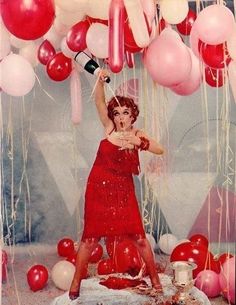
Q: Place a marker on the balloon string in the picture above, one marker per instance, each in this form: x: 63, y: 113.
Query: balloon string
x: 52, y: 98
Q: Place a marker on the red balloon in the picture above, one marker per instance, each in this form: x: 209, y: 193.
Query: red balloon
x: 72, y: 257
x: 192, y: 252
x: 28, y: 20
x: 59, y: 67
x: 162, y: 25
x: 214, y: 56
x: 76, y: 37
x: 127, y: 258
x: 223, y: 257
x: 106, y: 266
x: 65, y: 247
x: 4, y: 266
x: 111, y: 244
x: 46, y: 52
x: 185, y: 26
x: 96, y: 254
x: 214, y: 77
x: 37, y: 277
x: 199, y: 239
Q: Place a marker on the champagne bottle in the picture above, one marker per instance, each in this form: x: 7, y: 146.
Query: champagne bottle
x: 89, y: 64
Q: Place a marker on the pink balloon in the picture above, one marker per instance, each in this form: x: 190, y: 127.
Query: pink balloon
x: 227, y: 279
x: 168, y: 61
x: 208, y: 282
x: 129, y: 58
x: 193, y: 82
x: 194, y: 40
x: 215, y: 24
x: 76, y: 98
x: 28, y: 20
x: 116, y: 35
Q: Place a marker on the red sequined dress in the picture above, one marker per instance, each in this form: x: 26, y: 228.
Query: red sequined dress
x: 111, y: 207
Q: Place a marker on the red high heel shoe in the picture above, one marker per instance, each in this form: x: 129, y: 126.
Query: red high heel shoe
x: 73, y: 295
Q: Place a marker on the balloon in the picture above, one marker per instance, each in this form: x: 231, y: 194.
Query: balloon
x: 167, y: 243
x: 69, y: 18
x: 185, y: 26
x: 231, y: 44
x: 76, y: 37
x: 149, y: 9
x: 199, y: 239
x: 53, y: 37
x: 130, y: 44
x: 65, y: 49
x: 215, y: 24
x: 97, y: 40
x: 31, y: 19
x: 194, y: 40
x: 29, y: 52
x: 5, y: 46
x: 72, y: 257
x: 151, y: 240
x: 65, y: 247
x: 191, y: 252
x: 127, y: 258
x: 174, y: 11
x: 227, y: 279
x: 168, y: 61
x: 129, y: 58
x: 214, y: 56
x: 208, y: 282
x: 116, y: 35
x: 214, y: 77
x: 98, y: 9
x: 193, y: 82
x: 62, y: 274
x: 59, y: 67
x: 96, y: 254
x: 60, y: 28
x: 72, y: 5
x: 45, y: 52
x: 162, y: 25
x: 106, y: 266
x: 37, y: 277
x: 19, y: 77
x: 232, y: 77
x: 168, y: 32
x: 223, y: 258
x: 76, y: 97
x: 137, y: 22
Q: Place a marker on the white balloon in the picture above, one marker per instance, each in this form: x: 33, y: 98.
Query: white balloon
x: 30, y: 53
x: 151, y: 240
x: 19, y: 76
x: 231, y: 44
x: 62, y: 274
x: 5, y: 45
x: 174, y: 11
x: 137, y: 22
x: 167, y: 243
x: 97, y: 40
x: 69, y: 18
x: 53, y: 37
x: 17, y: 42
x: 98, y: 9
x: 60, y: 28
x: 72, y: 5
x: 66, y: 50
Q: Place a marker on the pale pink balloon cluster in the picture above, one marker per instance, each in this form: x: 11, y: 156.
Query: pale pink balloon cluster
x: 214, y: 284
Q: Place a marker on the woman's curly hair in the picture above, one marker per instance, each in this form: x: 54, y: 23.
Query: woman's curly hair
x: 117, y: 101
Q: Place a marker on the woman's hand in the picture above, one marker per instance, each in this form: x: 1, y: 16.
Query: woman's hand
x: 129, y: 141
x: 103, y: 75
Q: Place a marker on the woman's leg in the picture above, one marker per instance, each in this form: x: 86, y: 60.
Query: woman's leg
x: 145, y: 251
x: 84, y: 252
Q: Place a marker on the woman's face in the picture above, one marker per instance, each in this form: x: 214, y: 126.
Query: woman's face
x: 122, y: 118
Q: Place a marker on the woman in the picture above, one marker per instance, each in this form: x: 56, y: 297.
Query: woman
x: 111, y: 208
